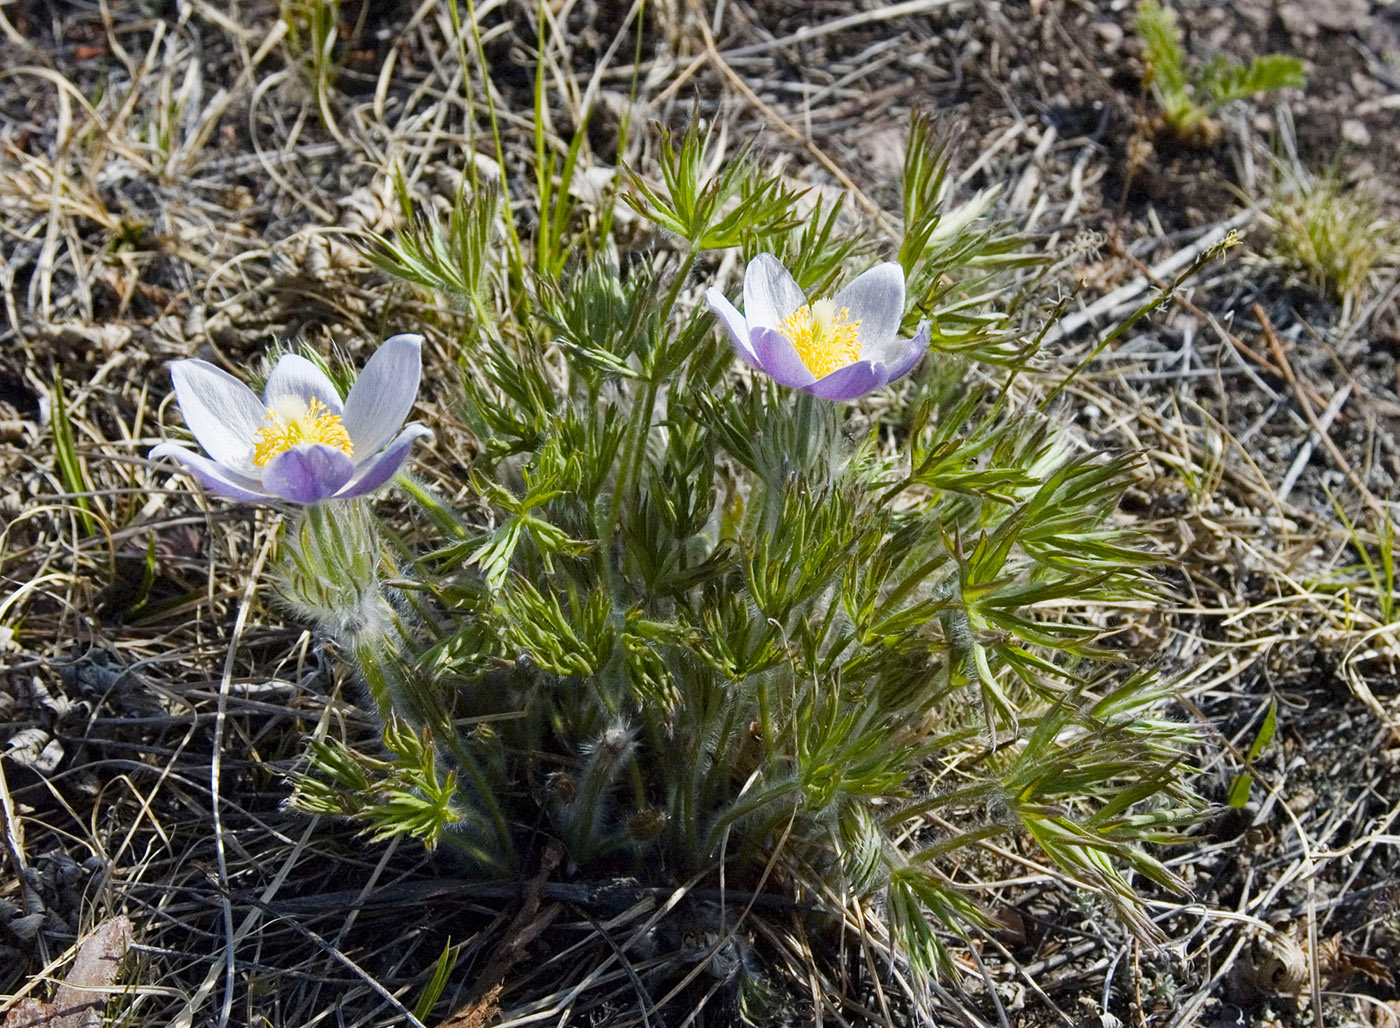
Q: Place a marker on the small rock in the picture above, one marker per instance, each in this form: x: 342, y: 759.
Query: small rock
x: 1354, y: 132
x: 1365, y: 85
x: 1335, y: 15
x: 1110, y: 34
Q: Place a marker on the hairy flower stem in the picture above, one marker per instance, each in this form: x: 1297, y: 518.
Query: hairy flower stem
x: 640, y: 429
x: 383, y: 663
x: 331, y: 572
x: 585, y: 816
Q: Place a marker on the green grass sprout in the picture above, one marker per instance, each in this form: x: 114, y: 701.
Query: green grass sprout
x: 1242, y: 782
x: 312, y: 30
x: 71, y: 471
x: 1376, y: 563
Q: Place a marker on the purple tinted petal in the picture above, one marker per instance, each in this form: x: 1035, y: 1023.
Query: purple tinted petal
x: 383, y: 394
x: 850, y: 382
x: 733, y: 323
x: 222, y: 412
x: 383, y: 465
x: 912, y: 349
x: 875, y: 298
x: 770, y: 294
x: 294, y: 382
x: 777, y: 357
x: 214, y: 477
x: 308, y: 472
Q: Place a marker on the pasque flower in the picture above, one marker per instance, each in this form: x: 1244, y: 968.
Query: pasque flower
x: 300, y: 442
x: 839, y: 348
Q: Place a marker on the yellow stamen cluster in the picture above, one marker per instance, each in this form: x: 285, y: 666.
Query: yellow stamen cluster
x: 823, y: 336
x: 317, y: 425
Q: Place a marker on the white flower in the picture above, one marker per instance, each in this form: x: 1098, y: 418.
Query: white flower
x: 838, y: 349
x: 300, y: 442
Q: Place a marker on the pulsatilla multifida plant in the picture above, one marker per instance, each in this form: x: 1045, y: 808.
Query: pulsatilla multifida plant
x: 798, y: 611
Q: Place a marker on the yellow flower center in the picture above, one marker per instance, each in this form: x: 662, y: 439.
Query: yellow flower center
x: 315, y: 424
x: 823, y: 336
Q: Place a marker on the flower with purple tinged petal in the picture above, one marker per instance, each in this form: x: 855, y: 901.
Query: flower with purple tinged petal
x: 839, y: 348
x: 300, y: 442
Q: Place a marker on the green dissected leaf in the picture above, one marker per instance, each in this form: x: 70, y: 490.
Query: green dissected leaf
x: 454, y: 259
x: 1188, y: 101
x: 688, y: 616
x: 711, y: 212
x: 1157, y: 27
x: 571, y: 641
x: 924, y: 189
x: 603, y: 320
x: 803, y: 554
x: 1227, y: 81
x: 403, y: 795
x: 912, y: 897
x: 817, y: 248
x: 737, y: 643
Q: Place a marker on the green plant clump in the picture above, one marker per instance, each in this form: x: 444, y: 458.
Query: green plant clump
x: 1337, y: 236
x: 813, y: 662
x: 1189, y: 102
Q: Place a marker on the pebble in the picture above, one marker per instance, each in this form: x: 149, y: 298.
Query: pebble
x: 1305, y: 19
x: 1354, y: 132
x: 1110, y: 34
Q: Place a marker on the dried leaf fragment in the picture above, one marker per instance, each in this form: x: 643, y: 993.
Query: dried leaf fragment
x: 80, y: 1000
x: 1273, y: 964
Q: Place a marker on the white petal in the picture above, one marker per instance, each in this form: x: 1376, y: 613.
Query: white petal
x: 733, y: 323
x: 875, y: 298
x: 214, y: 477
x: 294, y: 382
x: 770, y: 294
x: 385, y: 464
x: 383, y: 394
x: 222, y: 412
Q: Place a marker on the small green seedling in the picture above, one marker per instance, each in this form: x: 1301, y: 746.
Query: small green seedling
x: 1189, y: 102
x: 1239, y: 787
